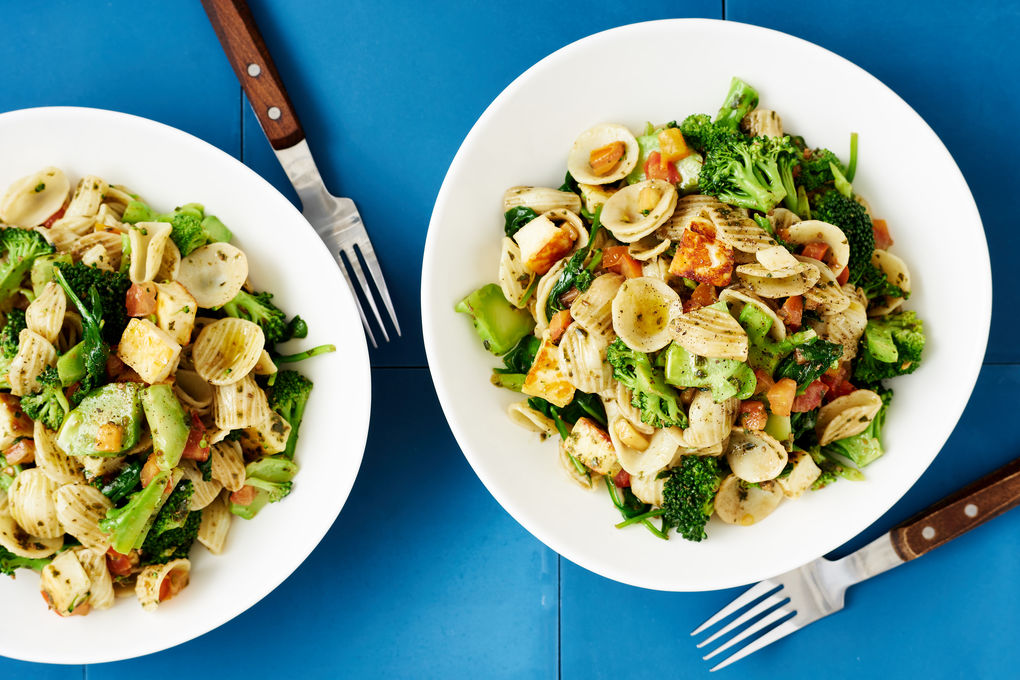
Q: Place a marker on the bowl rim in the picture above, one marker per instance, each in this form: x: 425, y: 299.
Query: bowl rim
x: 358, y: 362
x: 431, y: 332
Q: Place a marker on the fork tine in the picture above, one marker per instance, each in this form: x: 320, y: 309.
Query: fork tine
x: 760, y: 608
x: 749, y: 631
x: 357, y: 302
x: 780, y: 631
x: 372, y: 262
x: 749, y: 596
x: 352, y: 258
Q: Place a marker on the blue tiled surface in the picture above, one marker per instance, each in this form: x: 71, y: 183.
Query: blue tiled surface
x: 441, y: 582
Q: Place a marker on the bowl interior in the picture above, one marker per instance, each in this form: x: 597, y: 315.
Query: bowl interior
x: 662, y: 71
x: 167, y: 168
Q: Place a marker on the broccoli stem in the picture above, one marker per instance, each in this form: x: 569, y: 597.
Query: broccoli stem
x: 307, y: 354
x: 851, y: 169
x: 637, y: 519
x: 626, y: 512
x: 740, y: 100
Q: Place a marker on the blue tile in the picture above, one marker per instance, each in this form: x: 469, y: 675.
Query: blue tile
x: 388, y: 90
x: 954, y: 63
x: 951, y: 613
x: 422, y: 576
x: 135, y: 57
x: 21, y: 669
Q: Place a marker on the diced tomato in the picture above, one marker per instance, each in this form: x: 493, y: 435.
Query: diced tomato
x: 197, y: 446
x: 654, y: 169
x: 703, y: 258
x: 753, y: 415
x: 141, y: 299
x: 843, y: 276
x: 54, y: 217
x: 764, y: 383
x: 811, y: 399
x: 119, y: 564
x: 150, y: 469
x: 21, y: 452
x: 243, y: 496
x: 781, y: 396
x: 792, y: 312
x: 816, y: 250
x: 618, y: 259
x: 558, y: 325
x: 882, y: 237
x: 703, y: 296
x: 622, y: 479
x: 836, y: 382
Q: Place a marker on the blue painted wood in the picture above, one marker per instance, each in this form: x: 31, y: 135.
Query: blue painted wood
x: 955, y: 63
x: 951, y: 613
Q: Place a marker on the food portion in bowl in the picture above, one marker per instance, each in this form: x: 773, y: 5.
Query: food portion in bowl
x: 704, y: 313
x: 141, y: 402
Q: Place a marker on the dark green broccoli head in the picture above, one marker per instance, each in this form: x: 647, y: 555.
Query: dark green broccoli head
x: 851, y: 217
x: 48, y: 405
x: 743, y: 172
x: 658, y: 402
x: 876, y: 284
x: 11, y: 332
x: 688, y: 497
x: 112, y: 289
x: 171, y: 544
x: 815, y: 172
x: 892, y: 345
x: 186, y: 232
x: 700, y: 133
x: 288, y: 397
x: 259, y: 308
x: 20, y: 247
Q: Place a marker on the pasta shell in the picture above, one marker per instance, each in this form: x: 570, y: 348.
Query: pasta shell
x: 736, y: 298
x: 148, y: 240
x: 45, y: 315
x: 816, y: 231
x: 896, y: 271
x: 170, y: 266
x: 193, y: 391
x: 101, y: 595
x: 102, y: 249
x: 228, y: 465
x: 847, y: 327
x: 688, y: 209
x: 70, y: 332
x: 775, y: 258
x: 579, y: 159
x: 624, y: 217
x: 265, y: 365
x: 709, y: 423
x: 205, y: 491
x: 846, y: 416
x: 565, y: 219
x: 524, y: 416
x: 216, y: 518
x: 649, y: 461
x: 96, y: 256
x: 593, y: 309
x: 54, y: 463
x: 781, y: 219
x: 214, y: 273
x: 755, y: 456
x: 120, y: 196
x: 642, y: 310
x: 31, y: 200
x: 645, y: 252
x: 657, y: 268
x: 268, y: 437
x: 30, y: 498
x: 150, y: 581
x: 710, y: 332
x: 624, y: 399
x: 734, y: 228
x: 778, y: 284
x: 240, y: 405
x: 35, y: 354
x: 79, y: 508
x: 108, y: 217
x: 542, y: 290
x: 88, y: 195
x: 739, y: 503
x: 648, y: 488
x: 23, y: 544
x: 582, y: 360
x: 227, y: 350
x: 540, y: 199
x: 515, y: 278
x: 763, y: 123
x: 826, y: 295
x: 77, y: 225
x: 65, y: 583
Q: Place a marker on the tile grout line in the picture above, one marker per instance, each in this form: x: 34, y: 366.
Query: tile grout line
x: 240, y: 118
x: 559, y: 616
x: 723, y: 9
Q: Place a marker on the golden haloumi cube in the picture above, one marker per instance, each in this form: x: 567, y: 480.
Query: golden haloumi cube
x: 803, y: 474
x: 175, y: 311
x: 592, y: 445
x: 543, y: 244
x: 148, y: 349
x: 65, y: 583
x: 545, y: 379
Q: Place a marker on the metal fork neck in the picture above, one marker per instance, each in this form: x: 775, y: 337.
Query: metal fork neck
x: 871, y: 560
x: 298, y: 163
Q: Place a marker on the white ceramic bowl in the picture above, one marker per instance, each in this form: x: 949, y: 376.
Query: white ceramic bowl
x: 657, y: 72
x: 168, y: 167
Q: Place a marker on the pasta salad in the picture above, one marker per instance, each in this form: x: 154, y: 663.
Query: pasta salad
x: 705, y: 314
x: 142, y: 406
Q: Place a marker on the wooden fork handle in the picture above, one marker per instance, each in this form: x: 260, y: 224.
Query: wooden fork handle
x: 957, y: 514
x: 235, y: 27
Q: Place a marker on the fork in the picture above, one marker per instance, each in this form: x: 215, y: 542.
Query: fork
x: 781, y: 605
x: 336, y: 220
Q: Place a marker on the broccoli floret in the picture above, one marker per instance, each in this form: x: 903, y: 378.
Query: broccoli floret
x: 851, y: 217
x: 875, y: 284
x: 832, y: 469
x: 658, y: 402
x: 259, y: 308
x: 190, y: 227
x: 688, y: 497
x: 92, y: 352
x: 9, y: 562
x: 272, y: 480
x: 186, y: 232
x: 815, y: 172
x: 864, y: 448
x: 49, y: 405
x: 9, y: 342
x: 892, y: 345
x: 20, y: 247
x: 112, y: 288
x: 288, y: 397
x: 745, y: 172
x: 174, y: 528
x: 127, y: 525
x: 740, y: 100
x: 701, y: 134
